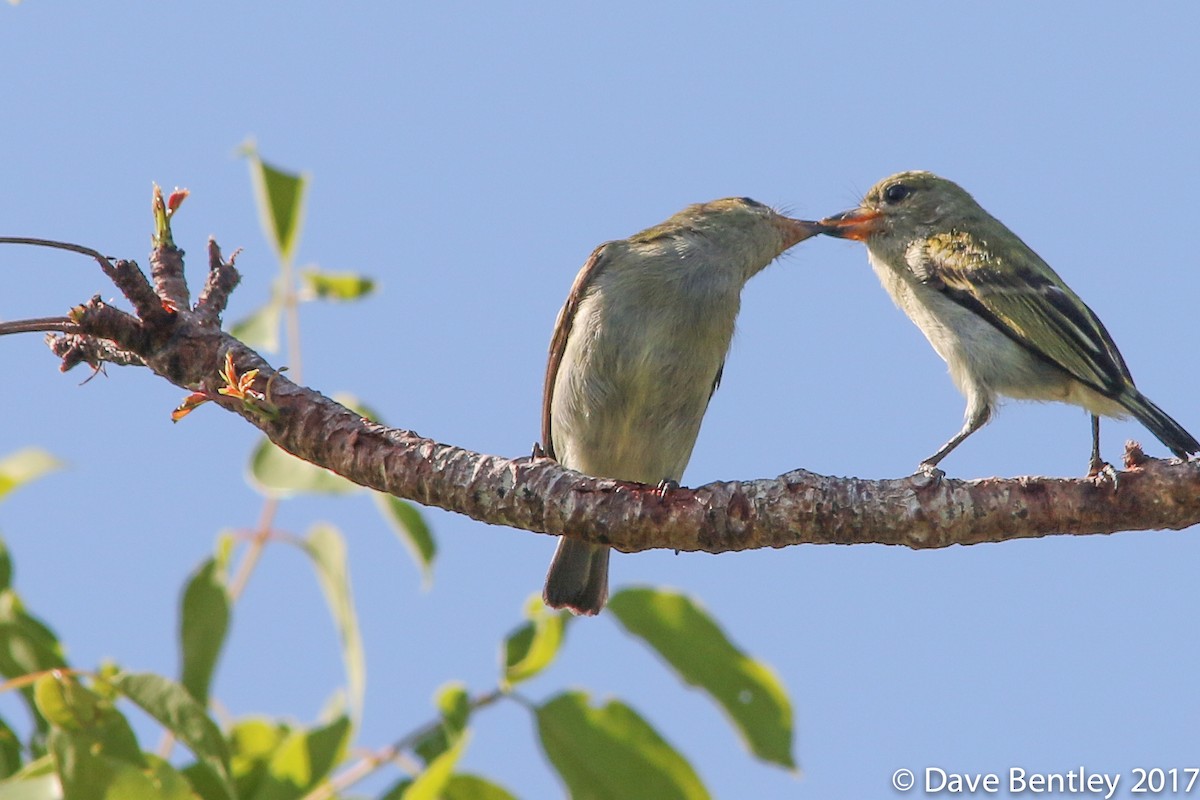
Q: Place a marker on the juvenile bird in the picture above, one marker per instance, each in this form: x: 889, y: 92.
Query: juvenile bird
x: 1000, y: 317
x: 637, y: 352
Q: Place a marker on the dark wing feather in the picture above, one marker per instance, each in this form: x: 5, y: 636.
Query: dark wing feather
x: 562, y: 331
x: 1018, y: 293
x: 717, y: 380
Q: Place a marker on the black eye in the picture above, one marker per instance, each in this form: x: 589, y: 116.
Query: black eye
x: 751, y: 202
x: 895, y: 193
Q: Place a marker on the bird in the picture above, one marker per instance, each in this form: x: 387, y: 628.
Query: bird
x: 1004, y: 322
x: 637, y: 352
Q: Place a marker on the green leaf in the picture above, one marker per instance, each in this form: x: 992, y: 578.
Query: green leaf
x: 690, y: 641
x: 260, y: 330
x: 26, y: 643
x: 252, y: 743
x: 280, y: 198
x: 37, y: 768
x: 303, y: 760
x: 24, y: 466
x: 433, y: 779
x: 6, y: 566
x: 409, y: 526
x: 27, y: 646
x: 472, y: 787
x: 205, y: 783
x: 203, y: 623
x: 277, y: 474
x: 610, y: 751
x: 175, y: 708
x: 37, y: 781
x: 454, y: 705
x: 10, y: 752
x: 532, y: 646
x: 95, y: 752
x: 68, y: 704
x: 223, y: 551
x: 87, y: 772
x: 339, y: 286
x: 327, y: 549
x: 169, y: 782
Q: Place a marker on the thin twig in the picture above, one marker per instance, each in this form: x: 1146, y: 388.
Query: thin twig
x: 40, y: 325
x: 291, y: 318
x: 74, y: 248
x: 373, y: 761
x: 28, y: 679
x: 262, y: 535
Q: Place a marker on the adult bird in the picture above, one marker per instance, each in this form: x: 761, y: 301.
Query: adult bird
x: 637, y: 352
x: 1001, y: 318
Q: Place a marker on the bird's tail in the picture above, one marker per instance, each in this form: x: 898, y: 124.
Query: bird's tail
x: 578, y: 577
x: 1168, y: 431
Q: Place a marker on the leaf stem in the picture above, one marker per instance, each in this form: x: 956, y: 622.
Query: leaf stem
x: 373, y: 761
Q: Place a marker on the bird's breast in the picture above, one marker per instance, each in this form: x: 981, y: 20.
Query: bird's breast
x: 635, y: 382
x: 982, y: 359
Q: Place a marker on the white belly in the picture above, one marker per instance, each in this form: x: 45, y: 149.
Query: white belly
x: 983, y: 361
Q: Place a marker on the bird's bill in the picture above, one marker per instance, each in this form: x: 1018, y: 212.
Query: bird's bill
x: 797, y: 230
x: 857, y: 223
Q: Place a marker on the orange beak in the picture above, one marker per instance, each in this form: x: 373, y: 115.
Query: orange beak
x: 857, y: 223
x: 797, y: 230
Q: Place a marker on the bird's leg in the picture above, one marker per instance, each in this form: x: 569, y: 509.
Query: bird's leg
x: 665, y: 487
x: 976, y: 419
x: 1098, y: 466
x: 1097, y: 463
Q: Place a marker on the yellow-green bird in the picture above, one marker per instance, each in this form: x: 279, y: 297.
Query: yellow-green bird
x: 637, y: 352
x: 1001, y: 318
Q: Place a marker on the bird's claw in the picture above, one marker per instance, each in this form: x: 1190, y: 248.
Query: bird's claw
x: 928, y: 476
x: 1102, y: 471
x: 665, y: 487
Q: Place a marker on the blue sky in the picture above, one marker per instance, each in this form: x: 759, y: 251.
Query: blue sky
x: 470, y: 158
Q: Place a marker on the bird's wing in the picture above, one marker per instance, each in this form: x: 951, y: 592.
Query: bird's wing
x: 716, y: 381
x: 562, y: 331
x: 1021, y: 296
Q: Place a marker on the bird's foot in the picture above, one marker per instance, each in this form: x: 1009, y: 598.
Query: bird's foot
x: 538, y: 452
x: 928, y: 476
x: 1103, y: 472
x: 665, y: 487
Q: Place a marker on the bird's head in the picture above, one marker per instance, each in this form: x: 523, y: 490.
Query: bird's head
x: 743, y: 216
x: 735, y: 230
x: 907, y: 204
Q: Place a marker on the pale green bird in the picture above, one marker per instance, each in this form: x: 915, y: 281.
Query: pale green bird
x: 637, y: 352
x: 1000, y: 317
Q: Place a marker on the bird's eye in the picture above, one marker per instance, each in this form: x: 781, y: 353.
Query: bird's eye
x: 895, y: 193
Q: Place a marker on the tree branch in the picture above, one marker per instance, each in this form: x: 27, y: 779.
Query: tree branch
x: 186, y: 346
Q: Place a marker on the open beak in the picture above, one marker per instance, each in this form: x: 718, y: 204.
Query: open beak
x: 797, y: 230
x: 857, y: 223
